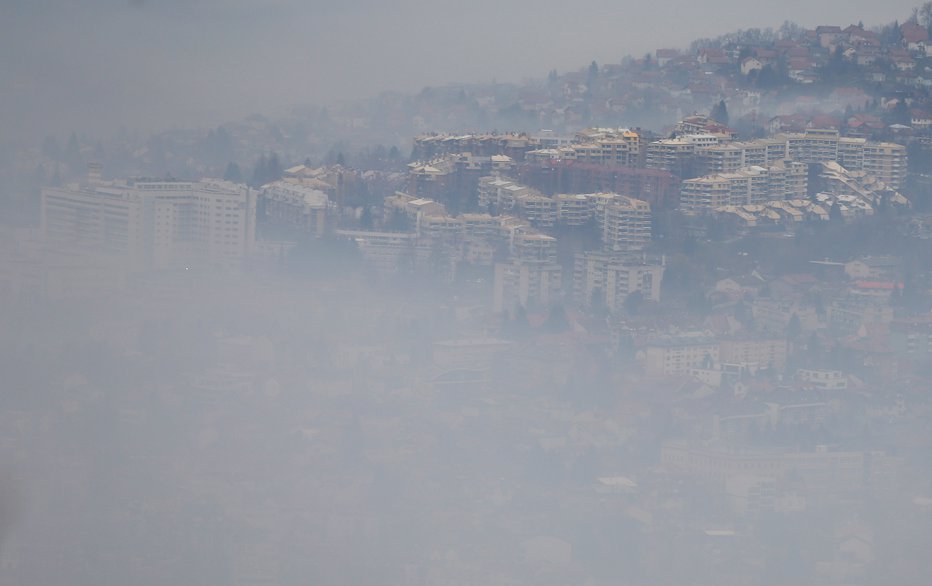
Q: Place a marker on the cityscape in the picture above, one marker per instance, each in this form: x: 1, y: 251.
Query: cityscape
x: 658, y: 322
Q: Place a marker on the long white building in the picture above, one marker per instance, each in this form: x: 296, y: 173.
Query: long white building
x: 153, y: 222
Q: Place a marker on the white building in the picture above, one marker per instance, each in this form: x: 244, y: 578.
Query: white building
x: 526, y: 283
x: 612, y: 278
x: 153, y: 222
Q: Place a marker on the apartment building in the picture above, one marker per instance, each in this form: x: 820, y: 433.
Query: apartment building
x: 390, y: 252
x: 502, y: 194
x: 605, y: 278
x: 763, y: 352
x: 533, y: 284
x: 671, y: 154
x: 885, y: 161
x: 153, y: 222
x: 730, y: 157
x: 625, y: 224
x: 302, y: 209
x: 535, y: 246
x: 784, y: 180
x: 540, y: 210
x: 676, y: 355
x: 608, y: 146
x: 573, y: 209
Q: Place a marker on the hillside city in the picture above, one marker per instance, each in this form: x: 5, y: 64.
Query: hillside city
x: 682, y: 304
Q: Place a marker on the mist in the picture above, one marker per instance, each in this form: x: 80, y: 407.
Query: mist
x: 101, y: 65
x: 449, y: 294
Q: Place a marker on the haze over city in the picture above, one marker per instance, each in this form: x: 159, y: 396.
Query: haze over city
x: 153, y: 65
x: 461, y: 294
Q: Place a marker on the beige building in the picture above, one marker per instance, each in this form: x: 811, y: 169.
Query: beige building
x: 783, y: 180
x: 762, y: 352
x: 297, y: 207
x: 526, y: 283
x: 612, y: 278
x: 625, y: 224
x: 676, y: 355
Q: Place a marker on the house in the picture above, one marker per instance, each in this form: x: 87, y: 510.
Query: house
x: 829, y: 36
x: 873, y: 267
x: 859, y: 37
x: 750, y: 64
x: 915, y: 37
x: 920, y: 118
x: 664, y: 56
x: 713, y: 56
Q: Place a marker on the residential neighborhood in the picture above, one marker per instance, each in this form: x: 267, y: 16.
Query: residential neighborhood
x: 664, y: 321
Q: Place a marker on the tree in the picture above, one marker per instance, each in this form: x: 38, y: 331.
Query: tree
x: 259, y: 171
x: 633, y: 302
x: 834, y: 213
x: 925, y: 15
x: 51, y: 148
x: 592, y: 77
x: 233, y: 173
x: 365, y: 218
x: 274, y: 171
x: 794, y: 328
x: 556, y: 321
x: 73, y: 151
x: 720, y: 112
x: 267, y: 169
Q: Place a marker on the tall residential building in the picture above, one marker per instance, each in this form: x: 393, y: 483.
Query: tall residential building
x: 153, y: 222
x: 784, y: 180
x: 730, y: 157
x: 625, y: 224
x: 609, y: 278
x: 884, y: 161
x: 526, y: 283
x: 296, y: 207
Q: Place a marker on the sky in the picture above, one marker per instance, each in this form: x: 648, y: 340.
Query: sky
x: 97, y: 65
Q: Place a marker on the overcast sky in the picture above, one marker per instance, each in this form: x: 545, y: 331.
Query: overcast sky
x: 149, y: 64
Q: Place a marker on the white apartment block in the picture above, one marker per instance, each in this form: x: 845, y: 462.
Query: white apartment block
x: 153, y: 222
x: 390, y: 252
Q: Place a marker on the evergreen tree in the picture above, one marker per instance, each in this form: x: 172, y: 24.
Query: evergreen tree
x: 556, y: 321
x: 51, y: 148
x: 260, y: 171
x: 365, y: 218
x: 720, y: 112
x: 592, y: 77
x: 274, y: 169
x: 233, y: 173
x: 794, y: 328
